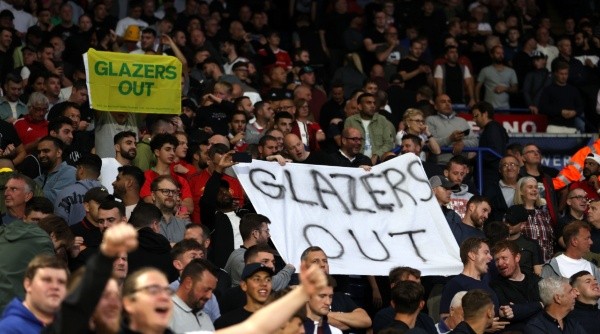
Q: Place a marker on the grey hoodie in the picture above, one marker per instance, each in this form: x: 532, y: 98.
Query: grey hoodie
x: 69, y: 201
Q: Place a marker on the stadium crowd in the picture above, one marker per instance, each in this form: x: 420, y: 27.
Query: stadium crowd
x: 155, y: 234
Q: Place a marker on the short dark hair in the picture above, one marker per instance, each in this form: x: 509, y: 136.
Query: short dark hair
x: 414, y: 138
x: 309, y: 250
x: 39, y: 204
x: 161, y: 139
x: 398, y: 274
x: 573, y: 279
x: 13, y: 77
x: 477, y: 199
x: 282, y: 114
x: 149, y: 31
x: 58, y: 122
x: 406, y: 296
x: 263, y: 140
x: 572, y: 229
x: 364, y: 95
x: 204, y: 228
x: 185, y: 245
x: 110, y: 204
x: 558, y: 65
x: 123, y: 134
x: 474, y: 302
x: 55, y: 225
x: 197, y: 267
x: 251, y: 222
x: 144, y: 215
x: 484, y: 107
x: 469, y: 246
x: 57, y: 142
x: 254, y: 250
x: 135, y: 172
x: 458, y: 160
x: 495, y: 231
x: 217, y: 148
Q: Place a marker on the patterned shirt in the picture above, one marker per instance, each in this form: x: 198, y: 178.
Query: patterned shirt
x: 539, y: 229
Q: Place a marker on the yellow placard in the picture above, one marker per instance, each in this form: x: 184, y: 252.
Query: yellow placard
x: 133, y: 83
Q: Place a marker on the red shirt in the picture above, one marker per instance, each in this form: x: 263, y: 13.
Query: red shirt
x: 151, y: 175
x: 191, y: 169
x: 30, y: 131
x: 198, y: 182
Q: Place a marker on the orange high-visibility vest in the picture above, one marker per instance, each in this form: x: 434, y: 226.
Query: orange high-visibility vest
x: 573, y: 170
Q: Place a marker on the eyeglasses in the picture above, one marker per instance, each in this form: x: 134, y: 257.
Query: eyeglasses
x: 355, y: 138
x: 579, y: 197
x: 420, y: 121
x: 509, y: 164
x: 168, y: 192
x: 155, y: 290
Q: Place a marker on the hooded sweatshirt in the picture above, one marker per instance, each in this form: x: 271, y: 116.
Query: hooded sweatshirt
x: 19, y: 242
x: 69, y: 201
x: 154, y: 251
x: 18, y: 319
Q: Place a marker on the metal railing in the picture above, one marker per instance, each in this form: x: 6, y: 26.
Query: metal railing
x: 479, y: 151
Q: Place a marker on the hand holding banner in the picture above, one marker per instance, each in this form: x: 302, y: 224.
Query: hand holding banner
x: 366, y: 222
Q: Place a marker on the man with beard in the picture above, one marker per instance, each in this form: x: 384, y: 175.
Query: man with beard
x: 586, y: 311
x: 513, y: 287
x: 127, y: 187
x: 163, y: 146
x: 478, y: 210
x: 57, y: 174
x: 590, y: 183
x: 125, y: 152
x: 349, y: 153
x: 198, y: 280
x: 164, y: 193
x: 499, y: 80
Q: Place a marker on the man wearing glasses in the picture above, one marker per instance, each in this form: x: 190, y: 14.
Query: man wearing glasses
x: 349, y: 153
x: 577, y: 205
x: 165, y: 192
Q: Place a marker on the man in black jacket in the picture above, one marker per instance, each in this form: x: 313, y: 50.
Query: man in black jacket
x: 586, y: 311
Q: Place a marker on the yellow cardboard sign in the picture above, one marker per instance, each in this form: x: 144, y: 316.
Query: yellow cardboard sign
x: 133, y: 83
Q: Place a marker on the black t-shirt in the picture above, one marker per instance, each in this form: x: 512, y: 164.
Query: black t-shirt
x: 408, y: 65
x: 531, y: 254
x: 8, y: 135
x: 232, y: 318
x: 317, y: 158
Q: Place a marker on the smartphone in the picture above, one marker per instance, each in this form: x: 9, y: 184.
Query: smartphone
x: 242, y: 157
x: 466, y: 132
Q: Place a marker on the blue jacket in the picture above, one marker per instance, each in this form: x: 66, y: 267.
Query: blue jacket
x: 18, y: 319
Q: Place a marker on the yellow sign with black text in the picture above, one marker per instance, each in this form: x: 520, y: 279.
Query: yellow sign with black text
x: 133, y: 83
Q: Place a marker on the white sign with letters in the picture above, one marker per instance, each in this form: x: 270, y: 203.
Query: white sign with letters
x: 367, y: 222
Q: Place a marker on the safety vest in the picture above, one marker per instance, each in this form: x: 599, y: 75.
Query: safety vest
x: 573, y: 170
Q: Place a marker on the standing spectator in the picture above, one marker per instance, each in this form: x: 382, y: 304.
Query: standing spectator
x: 125, y: 152
x: 57, y: 174
x: 456, y: 170
x: 586, y: 312
x: 377, y: 131
x: 535, y: 81
x: 479, y: 313
x: 542, y: 37
x: 254, y: 130
x: 562, y: 103
x: 414, y: 71
x: 11, y: 107
x: 164, y: 195
x: 531, y: 255
x: 18, y: 191
x: 132, y: 19
x: 272, y: 54
x: 576, y: 208
x: 502, y: 193
x: 375, y: 37
x: 317, y: 308
x: 492, y: 135
x: 108, y: 125
x: 498, y: 79
x: 390, y: 53
x: 33, y: 126
x: 454, y: 79
x: 532, y: 166
x: 310, y: 132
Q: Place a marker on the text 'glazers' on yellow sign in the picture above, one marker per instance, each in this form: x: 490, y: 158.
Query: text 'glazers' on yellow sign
x: 133, y: 83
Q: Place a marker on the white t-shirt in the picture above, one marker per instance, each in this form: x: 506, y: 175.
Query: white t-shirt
x: 235, y: 225
x: 569, y: 266
x: 368, y: 147
x: 109, y: 172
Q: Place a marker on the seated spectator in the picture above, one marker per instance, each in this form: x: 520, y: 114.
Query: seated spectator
x: 310, y: 132
x: 164, y: 196
x: 455, y: 317
x: 514, y: 288
x: 479, y: 314
x: 413, y: 122
x: 317, y: 308
x: 586, y: 312
x: 558, y: 297
x: 57, y: 175
x: 412, y: 144
x: 577, y: 206
x: 456, y: 171
x: 407, y: 301
x: 349, y: 153
x: 577, y: 238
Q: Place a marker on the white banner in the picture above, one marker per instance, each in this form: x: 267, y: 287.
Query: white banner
x: 366, y: 222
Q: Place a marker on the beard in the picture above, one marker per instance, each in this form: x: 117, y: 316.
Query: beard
x: 46, y: 164
x: 129, y: 155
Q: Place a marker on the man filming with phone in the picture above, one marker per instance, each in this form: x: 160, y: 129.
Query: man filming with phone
x: 450, y: 130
